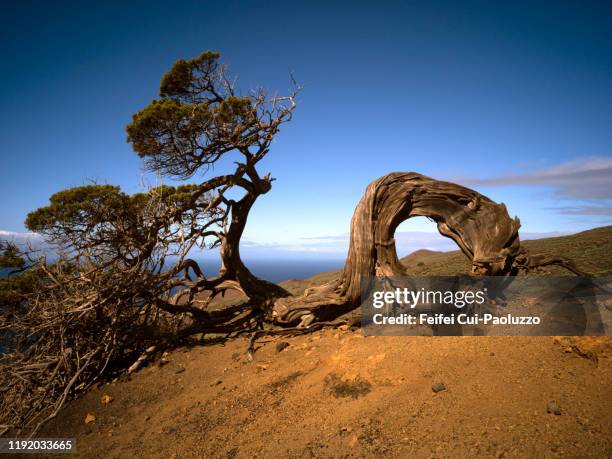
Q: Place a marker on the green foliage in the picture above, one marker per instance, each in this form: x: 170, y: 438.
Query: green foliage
x: 10, y: 257
x: 13, y: 289
x: 235, y: 111
x: 90, y: 205
x: 21, y: 280
x: 197, y: 120
x: 181, y: 79
x: 168, y: 125
x: 82, y: 206
x: 103, y: 220
x: 172, y: 196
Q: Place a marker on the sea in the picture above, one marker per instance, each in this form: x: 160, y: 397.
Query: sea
x: 278, y: 270
x: 273, y: 270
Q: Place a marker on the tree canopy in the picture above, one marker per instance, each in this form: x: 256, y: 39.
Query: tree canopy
x: 199, y: 117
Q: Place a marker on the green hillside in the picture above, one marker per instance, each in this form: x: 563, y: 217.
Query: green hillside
x: 590, y: 250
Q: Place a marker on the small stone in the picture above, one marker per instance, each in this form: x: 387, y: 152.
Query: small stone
x: 553, y: 408
x: 89, y: 418
x: 106, y: 399
x: 282, y: 345
x: 179, y: 370
x: 147, y: 417
x: 438, y: 387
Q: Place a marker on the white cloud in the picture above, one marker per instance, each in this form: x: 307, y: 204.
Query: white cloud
x: 583, y: 210
x: 585, y: 178
x: 21, y: 238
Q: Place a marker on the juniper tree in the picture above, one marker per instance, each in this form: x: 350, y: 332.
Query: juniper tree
x: 126, y: 279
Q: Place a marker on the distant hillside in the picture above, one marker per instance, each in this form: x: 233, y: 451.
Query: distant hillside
x: 419, y: 255
x: 591, y: 251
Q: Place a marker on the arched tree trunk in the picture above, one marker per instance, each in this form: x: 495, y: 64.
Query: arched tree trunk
x: 481, y: 228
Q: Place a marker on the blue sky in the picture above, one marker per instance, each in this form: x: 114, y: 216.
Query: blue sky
x: 513, y: 99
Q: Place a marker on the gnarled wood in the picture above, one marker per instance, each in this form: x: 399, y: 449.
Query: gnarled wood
x: 481, y: 228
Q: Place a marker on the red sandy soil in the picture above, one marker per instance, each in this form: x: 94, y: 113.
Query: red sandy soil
x: 335, y: 393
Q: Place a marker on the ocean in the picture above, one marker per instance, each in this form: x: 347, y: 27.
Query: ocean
x: 273, y: 270
x: 278, y: 270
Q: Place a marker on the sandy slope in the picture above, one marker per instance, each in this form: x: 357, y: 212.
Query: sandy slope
x: 338, y: 394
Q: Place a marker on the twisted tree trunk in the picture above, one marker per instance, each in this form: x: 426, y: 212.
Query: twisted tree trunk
x: 232, y: 266
x: 481, y: 228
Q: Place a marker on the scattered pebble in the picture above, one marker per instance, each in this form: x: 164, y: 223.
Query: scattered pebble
x: 106, y: 399
x: 281, y: 345
x: 553, y: 408
x: 179, y: 370
x: 438, y: 387
x: 89, y: 418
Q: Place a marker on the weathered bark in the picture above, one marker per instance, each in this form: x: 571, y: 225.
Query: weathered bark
x: 481, y: 228
x: 232, y: 266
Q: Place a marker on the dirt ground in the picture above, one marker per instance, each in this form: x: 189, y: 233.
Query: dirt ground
x: 336, y: 393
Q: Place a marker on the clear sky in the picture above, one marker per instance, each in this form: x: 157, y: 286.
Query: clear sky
x: 511, y: 98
